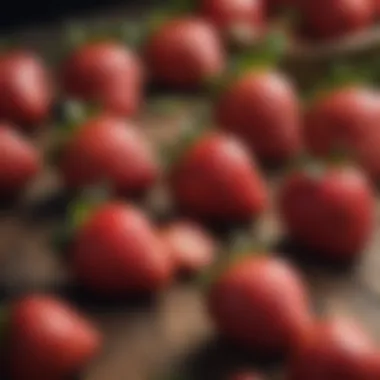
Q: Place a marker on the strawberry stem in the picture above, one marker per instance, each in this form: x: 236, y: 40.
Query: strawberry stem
x: 239, y: 246
x: 81, y: 208
x: 72, y: 115
x: 340, y: 75
x: 191, y: 130
x: 132, y: 34
x: 77, y: 212
x: 178, y: 7
x: 75, y: 36
x: 268, y: 53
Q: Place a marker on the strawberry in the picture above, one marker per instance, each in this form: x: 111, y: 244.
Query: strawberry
x: 105, y: 72
x: 377, y: 7
x: 192, y: 248
x: 217, y: 180
x: 262, y: 108
x: 107, y: 148
x: 260, y: 303
x: 48, y: 339
x: 328, y: 209
x: 335, y: 349
x: 233, y: 17
x: 20, y: 161
x: 343, y: 16
x: 346, y: 119
x: 117, y: 251
x: 25, y: 88
x: 185, y: 53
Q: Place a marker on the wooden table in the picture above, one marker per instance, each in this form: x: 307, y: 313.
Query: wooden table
x: 147, y: 336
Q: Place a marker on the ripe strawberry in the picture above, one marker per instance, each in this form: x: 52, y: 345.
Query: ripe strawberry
x: 20, y: 161
x: 217, y: 180
x: 185, y: 53
x: 233, y: 17
x: 330, y: 211
x: 262, y: 108
x: 117, y: 251
x: 377, y: 7
x: 48, y: 339
x: 105, y: 72
x: 26, y: 92
x: 336, y: 349
x: 340, y: 119
x: 260, y: 303
x: 192, y: 248
x: 110, y: 149
x: 343, y: 16
x: 346, y: 119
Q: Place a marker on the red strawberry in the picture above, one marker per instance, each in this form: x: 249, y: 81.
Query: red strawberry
x: 262, y: 108
x: 49, y: 340
x: 185, y: 53
x: 233, y: 17
x: 343, y: 16
x: 260, y: 302
x: 105, y: 72
x: 340, y: 119
x: 117, y: 251
x: 192, y: 248
x: 20, y: 161
x: 330, y: 210
x: 108, y: 148
x: 346, y: 119
x: 336, y: 349
x: 377, y: 7
x: 216, y: 179
x: 26, y: 93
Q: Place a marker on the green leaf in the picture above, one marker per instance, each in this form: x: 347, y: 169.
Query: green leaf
x: 217, y: 85
x: 299, y: 163
x: 191, y: 130
x: 339, y: 75
x: 155, y: 20
x: 82, y: 207
x: 171, y: 10
x: 178, y: 7
x: 228, y: 259
x: 274, y: 46
x: 132, y: 34
x: 166, y: 105
x: 269, y: 52
x: 75, y: 35
x: 240, y: 246
x: 74, y: 113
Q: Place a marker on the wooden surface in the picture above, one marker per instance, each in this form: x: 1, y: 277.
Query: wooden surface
x: 150, y: 336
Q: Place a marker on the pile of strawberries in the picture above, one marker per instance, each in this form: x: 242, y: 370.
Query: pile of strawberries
x: 256, y: 300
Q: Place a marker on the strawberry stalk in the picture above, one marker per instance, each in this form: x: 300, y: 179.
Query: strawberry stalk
x: 240, y: 245
x: 77, y: 212
x: 190, y: 130
x: 71, y: 115
x: 339, y: 75
x: 268, y: 52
